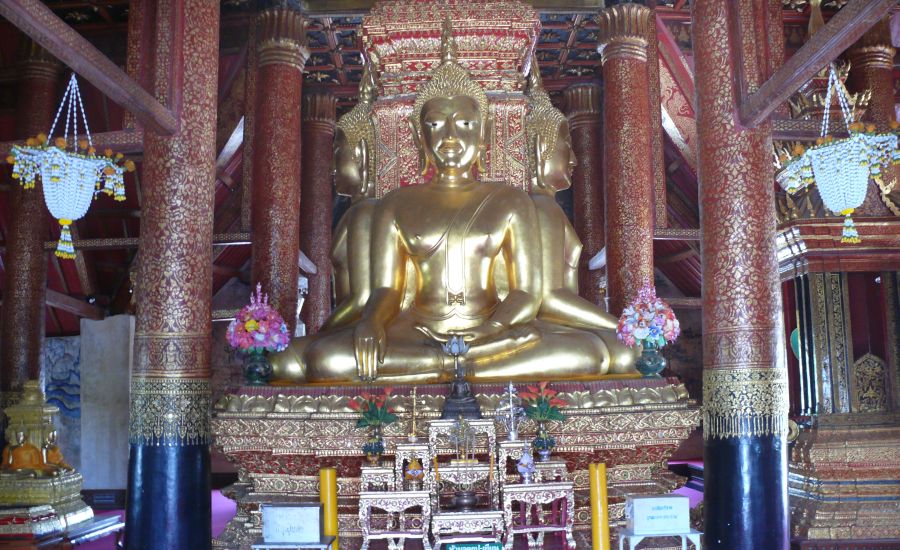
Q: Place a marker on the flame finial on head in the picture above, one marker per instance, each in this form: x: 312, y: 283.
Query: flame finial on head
x: 448, y: 43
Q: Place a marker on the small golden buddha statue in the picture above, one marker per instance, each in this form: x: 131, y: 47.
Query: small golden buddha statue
x: 22, y: 456
x: 354, y: 177
x: 552, y: 160
x: 453, y: 230
x: 53, y: 456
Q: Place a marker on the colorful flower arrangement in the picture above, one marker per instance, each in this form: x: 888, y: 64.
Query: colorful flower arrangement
x: 649, y: 321
x: 258, y: 327
x: 374, y: 409
x: 541, y: 403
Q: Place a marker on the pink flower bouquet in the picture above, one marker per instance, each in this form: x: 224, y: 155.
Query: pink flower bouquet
x: 258, y: 327
x: 649, y: 321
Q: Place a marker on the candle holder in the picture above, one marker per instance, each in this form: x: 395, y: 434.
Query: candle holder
x: 511, y: 413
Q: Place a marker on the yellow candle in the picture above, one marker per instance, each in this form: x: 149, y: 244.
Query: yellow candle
x: 599, y: 507
x: 491, y: 470
x: 413, y: 432
x: 328, y: 498
x: 437, y: 475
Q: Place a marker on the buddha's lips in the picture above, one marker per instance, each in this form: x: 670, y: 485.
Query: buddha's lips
x: 451, y: 148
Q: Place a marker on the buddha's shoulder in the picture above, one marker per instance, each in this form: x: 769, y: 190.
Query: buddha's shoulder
x: 507, y: 192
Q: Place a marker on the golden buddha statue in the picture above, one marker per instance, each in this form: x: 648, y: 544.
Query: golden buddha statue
x: 552, y: 160
x: 22, y: 457
x: 53, y: 456
x: 354, y: 177
x: 453, y: 230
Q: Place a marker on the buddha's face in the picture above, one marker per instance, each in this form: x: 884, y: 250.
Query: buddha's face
x: 452, y: 133
x: 555, y: 167
x: 349, y: 166
x: 20, y: 438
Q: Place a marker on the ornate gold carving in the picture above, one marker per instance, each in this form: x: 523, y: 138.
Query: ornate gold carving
x: 282, y: 38
x: 599, y: 399
x: 624, y: 31
x: 837, y: 340
x: 169, y: 411
x: 820, y: 339
x: 745, y: 402
x: 172, y: 353
x: 870, y: 384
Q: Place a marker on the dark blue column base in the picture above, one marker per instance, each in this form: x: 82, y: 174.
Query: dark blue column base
x: 745, y: 493
x: 169, y: 500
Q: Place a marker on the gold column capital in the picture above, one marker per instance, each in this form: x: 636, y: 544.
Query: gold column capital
x: 880, y: 56
x: 624, y: 30
x: 281, y: 37
x: 582, y: 104
x: 320, y: 110
x: 36, y: 62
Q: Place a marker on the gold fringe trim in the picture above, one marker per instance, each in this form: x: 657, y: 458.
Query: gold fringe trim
x: 747, y: 402
x: 169, y: 411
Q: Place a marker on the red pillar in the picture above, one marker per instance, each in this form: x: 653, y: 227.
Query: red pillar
x: 25, y: 280
x: 168, y: 473
x: 315, y: 210
x: 744, y: 379
x: 275, y: 204
x: 624, y: 32
x: 585, y: 124
x: 871, y: 67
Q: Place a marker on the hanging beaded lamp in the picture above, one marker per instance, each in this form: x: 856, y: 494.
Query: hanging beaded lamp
x: 841, y: 168
x: 71, y: 172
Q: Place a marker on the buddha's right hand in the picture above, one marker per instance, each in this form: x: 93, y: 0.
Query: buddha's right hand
x: 368, y: 345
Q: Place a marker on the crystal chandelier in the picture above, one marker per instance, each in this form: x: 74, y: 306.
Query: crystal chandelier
x: 841, y: 168
x: 71, y: 172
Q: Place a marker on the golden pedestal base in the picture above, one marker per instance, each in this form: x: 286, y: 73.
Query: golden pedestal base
x: 844, y: 479
x: 279, y: 437
x: 41, y: 506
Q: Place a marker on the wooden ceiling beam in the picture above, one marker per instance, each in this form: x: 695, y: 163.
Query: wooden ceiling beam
x: 841, y: 32
x: 127, y: 142
x: 39, y: 22
x: 64, y: 302
x: 675, y: 257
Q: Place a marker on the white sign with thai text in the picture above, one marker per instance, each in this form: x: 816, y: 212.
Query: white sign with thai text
x: 292, y: 522
x: 657, y: 514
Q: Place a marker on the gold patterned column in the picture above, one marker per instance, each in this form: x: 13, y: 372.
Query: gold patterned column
x: 624, y: 32
x: 170, y: 410
x: 275, y: 207
x: 871, y: 67
x: 25, y: 262
x: 745, y: 400
x: 583, y: 111
x: 315, y: 208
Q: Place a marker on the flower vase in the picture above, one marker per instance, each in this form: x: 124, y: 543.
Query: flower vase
x: 650, y: 362
x: 257, y: 368
x: 374, y: 446
x: 543, y: 443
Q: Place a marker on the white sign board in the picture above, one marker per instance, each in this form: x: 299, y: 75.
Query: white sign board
x: 657, y: 514
x: 292, y: 522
